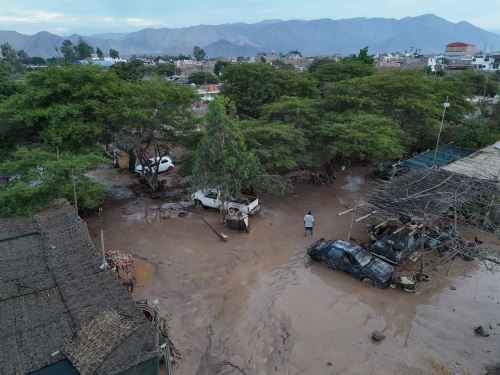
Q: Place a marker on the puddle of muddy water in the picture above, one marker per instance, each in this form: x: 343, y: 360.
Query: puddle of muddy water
x: 254, y: 304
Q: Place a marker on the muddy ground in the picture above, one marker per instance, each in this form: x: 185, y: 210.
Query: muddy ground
x: 256, y: 305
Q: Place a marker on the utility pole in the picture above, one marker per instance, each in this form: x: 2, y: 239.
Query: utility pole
x: 73, y: 178
x: 104, y: 264
x: 446, y: 105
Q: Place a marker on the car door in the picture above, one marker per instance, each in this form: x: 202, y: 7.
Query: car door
x: 334, y: 258
x: 163, y: 165
x: 211, y: 200
x: 349, y: 264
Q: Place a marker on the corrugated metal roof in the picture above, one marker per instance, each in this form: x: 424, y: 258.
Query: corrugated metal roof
x: 446, y: 154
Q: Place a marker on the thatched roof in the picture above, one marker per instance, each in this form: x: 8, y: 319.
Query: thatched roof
x: 52, y: 292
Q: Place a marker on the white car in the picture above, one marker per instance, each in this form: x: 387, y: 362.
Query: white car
x: 164, y: 166
x: 209, y: 198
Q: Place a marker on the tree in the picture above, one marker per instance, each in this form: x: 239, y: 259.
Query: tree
x: 152, y: 117
x: 23, y: 56
x: 198, y: 53
x: 68, y: 107
x: 222, y: 161
x: 362, y: 57
x: 36, y: 176
x: 99, y: 53
x: 167, y: 70
x: 219, y: 67
x: 279, y: 147
x: 476, y: 134
x: 114, y: 54
x: 251, y: 86
x: 68, y: 51
x: 361, y: 137
x: 409, y: 98
x: 11, y: 60
x: 83, y: 49
x: 335, y: 71
x: 202, y: 78
x: 132, y: 70
x: 476, y: 83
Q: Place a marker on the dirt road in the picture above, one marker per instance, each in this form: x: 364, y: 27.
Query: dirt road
x: 255, y: 304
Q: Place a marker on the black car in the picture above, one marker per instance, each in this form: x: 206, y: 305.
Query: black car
x: 395, y: 248
x: 351, y: 258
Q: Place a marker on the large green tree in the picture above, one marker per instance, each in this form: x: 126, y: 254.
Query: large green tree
x: 33, y: 177
x: 68, y: 51
x: 68, y: 107
x: 411, y: 99
x: 198, y: 53
x: 151, y: 118
x: 251, y: 86
x: 83, y: 50
x: 280, y: 147
x: 222, y: 160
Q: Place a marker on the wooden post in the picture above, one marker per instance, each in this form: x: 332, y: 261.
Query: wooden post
x: 422, y: 242
x: 57, y: 153
x: 352, y: 221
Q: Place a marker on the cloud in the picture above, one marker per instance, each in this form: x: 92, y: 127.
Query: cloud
x: 33, y: 16
x: 141, y: 21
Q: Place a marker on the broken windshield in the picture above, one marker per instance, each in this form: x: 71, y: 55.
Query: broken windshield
x: 363, y: 257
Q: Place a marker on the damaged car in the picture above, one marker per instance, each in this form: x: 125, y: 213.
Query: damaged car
x: 395, y: 248
x: 352, y: 259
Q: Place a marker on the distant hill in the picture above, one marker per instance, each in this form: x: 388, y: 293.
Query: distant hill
x: 428, y: 32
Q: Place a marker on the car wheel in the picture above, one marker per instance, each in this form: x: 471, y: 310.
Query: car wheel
x: 367, y: 280
x: 170, y: 169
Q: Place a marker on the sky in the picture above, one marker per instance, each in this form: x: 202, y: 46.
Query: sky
x: 89, y: 17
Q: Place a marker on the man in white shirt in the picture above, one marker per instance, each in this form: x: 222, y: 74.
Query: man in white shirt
x: 308, y: 223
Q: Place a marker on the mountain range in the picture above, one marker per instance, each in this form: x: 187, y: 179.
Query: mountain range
x: 428, y: 32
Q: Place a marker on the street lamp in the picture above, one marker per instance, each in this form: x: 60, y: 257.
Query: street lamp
x: 446, y: 105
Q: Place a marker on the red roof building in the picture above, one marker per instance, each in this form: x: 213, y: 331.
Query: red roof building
x: 458, y: 51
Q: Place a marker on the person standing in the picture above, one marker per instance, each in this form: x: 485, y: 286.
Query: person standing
x: 308, y: 223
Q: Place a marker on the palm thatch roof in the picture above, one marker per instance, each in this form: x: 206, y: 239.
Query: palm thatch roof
x: 56, y: 302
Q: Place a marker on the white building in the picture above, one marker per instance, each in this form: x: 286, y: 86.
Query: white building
x: 486, y: 62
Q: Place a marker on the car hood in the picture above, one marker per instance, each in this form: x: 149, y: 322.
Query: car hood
x: 379, y: 270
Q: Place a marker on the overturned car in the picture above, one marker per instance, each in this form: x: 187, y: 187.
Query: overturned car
x: 353, y: 259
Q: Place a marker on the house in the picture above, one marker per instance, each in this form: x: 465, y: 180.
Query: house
x: 207, y: 93
x: 60, y: 313
x: 489, y: 62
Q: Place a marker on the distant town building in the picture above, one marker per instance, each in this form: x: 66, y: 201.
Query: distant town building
x: 207, y: 93
x: 188, y: 67
x: 458, y: 51
x: 489, y: 62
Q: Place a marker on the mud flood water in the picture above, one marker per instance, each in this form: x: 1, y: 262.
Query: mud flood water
x: 256, y: 305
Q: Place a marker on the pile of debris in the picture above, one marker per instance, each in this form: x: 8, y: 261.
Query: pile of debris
x: 439, y: 197
x: 124, y: 266
x: 434, y: 204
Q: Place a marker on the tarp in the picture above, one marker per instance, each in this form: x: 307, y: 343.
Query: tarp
x: 446, y: 154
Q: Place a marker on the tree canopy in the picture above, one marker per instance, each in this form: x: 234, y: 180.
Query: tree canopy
x: 202, y: 78
x: 222, y: 161
x: 251, y: 86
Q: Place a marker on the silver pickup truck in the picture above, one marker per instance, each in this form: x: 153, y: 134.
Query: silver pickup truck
x: 210, y: 198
